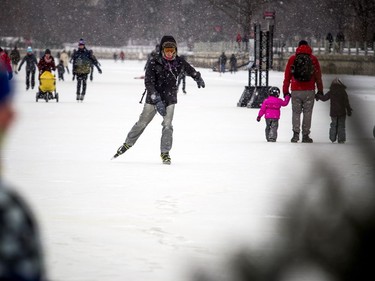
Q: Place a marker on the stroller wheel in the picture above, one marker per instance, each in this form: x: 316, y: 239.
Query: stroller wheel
x: 57, y: 97
x: 37, y: 96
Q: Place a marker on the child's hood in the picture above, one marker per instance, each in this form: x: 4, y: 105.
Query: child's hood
x: 337, y: 84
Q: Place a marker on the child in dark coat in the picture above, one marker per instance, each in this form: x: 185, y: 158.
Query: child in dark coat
x: 340, y: 107
x: 61, y: 70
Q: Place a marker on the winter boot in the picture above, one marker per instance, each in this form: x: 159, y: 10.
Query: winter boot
x: 121, y: 150
x: 295, y: 137
x: 166, y: 158
x: 306, y: 139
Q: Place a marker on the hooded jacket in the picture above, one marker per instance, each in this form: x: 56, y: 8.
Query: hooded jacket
x: 161, y: 75
x: 271, y: 107
x: 339, y: 99
x: 298, y: 85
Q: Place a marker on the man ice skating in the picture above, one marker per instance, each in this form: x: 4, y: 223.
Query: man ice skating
x: 82, y: 60
x: 31, y: 64
x: 161, y: 84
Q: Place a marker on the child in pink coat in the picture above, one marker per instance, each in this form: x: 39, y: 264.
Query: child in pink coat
x: 271, y: 110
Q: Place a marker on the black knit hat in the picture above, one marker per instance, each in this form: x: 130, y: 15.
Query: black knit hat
x: 302, y: 42
x: 47, y: 51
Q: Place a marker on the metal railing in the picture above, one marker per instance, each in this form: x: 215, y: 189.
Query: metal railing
x: 289, y: 47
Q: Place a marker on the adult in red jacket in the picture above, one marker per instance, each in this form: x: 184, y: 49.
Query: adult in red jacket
x: 303, y: 93
x: 46, y: 63
x: 5, y: 63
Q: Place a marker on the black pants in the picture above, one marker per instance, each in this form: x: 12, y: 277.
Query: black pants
x: 337, y: 129
x: 81, y: 80
x: 28, y: 72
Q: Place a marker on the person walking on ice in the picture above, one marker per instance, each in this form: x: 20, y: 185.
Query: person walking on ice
x: 302, y: 74
x: 271, y: 110
x: 161, y: 80
x: 339, y: 108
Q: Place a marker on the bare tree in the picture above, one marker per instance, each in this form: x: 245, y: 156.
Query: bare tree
x: 239, y: 11
x: 365, y: 14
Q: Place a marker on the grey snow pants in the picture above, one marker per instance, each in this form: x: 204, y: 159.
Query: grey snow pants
x: 302, y: 102
x: 271, y: 129
x: 148, y: 113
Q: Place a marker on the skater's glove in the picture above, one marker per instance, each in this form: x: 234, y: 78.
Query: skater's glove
x: 159, y: 104
x: 287, y: 94
x: 199, y: 80
x: 10, y: 75
x: 350, y: 112
x: 160, y: 107
x: 258, y: 118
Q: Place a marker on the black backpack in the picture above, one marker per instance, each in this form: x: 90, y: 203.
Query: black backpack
x: 303, y: 68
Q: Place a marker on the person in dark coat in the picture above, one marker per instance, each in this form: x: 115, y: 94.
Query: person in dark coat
x: 340, y: 39
x: 161, y: 84
x: 329, y: 39
x: 182, y: 78
x: 61, y: 70
x: 21, y: 251
x: 46, y: 63
x: 233, y: 64
x: 82, y: 60
x: 96, y: 62
x: 31, y: 63
x: 339, y: 108
x: 15, y: 58
x: 222, y: 62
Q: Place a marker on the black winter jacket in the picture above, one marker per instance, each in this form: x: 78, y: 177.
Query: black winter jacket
x: 31, y: 62
x: 339, y: 99
x: 162, y: 76
x: 83, y: 59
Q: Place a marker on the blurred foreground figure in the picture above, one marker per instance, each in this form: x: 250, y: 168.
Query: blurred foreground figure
x: 20, y: 248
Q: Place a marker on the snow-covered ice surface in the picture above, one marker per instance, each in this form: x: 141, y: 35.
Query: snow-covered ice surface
x: 133, y: 218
